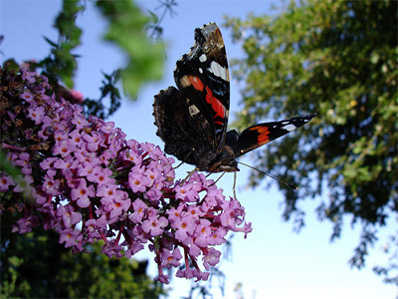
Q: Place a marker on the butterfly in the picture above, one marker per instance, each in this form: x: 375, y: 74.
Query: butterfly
x: 192, y: 119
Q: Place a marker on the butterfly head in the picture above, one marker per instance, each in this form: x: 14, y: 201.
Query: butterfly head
x: 224, y: 161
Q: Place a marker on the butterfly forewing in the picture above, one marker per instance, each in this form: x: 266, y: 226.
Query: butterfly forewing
x: 260, y: 134
x: 203, y: 76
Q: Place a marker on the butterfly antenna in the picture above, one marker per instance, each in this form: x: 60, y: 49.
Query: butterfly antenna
x: 271, y: 176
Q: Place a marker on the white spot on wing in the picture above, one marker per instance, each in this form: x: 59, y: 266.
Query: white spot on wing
x: 202, y: 58
x: 214, y: 68
x: 200, y: 70
x: 289, y: 127
x: 219, y: 71
x: 193, y: 110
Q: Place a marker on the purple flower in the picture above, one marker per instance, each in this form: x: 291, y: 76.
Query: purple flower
x: 70, y: 237
x: 202, y: 232
x: 154, y: 194
x: 186, y: 192
x: 212, y: 258
x: 51, y: 185
x: 185, y: 226
x: 139, y: 208
x: 120, y: 203
x: 107, y: 191
x: 170, y: 259
x: 138, y: 182
x: 194, y: 250
x: 68, y: 215
x: 75, y: 138
x: 82, y: 193
x: 162, y: 278
x: 91, y: 141
x: 217, y: 237
x: 191, y: 273
x: 36, y: 114
x: 96, y: 185
x: 29, y: 76
x: 5, y: 182
x: 63, y: 148
x: 27, y: 96
x: 152, y: 174
x: 154, y: 225
x: 48, y: 163
x: 24, y: 225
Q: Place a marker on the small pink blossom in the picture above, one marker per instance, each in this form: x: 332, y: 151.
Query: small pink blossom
x: 139, y: 208
x: 36, y: 114
x: 212, y: 258
x: 184, y: 227
x: 186, y: 192
x: 138, y: 182
x: 202, y: 231
x: 217, y: 237
x: 29, y: 76
x: 63, y: 148
x: 82, y: 193
x: 70, y: 237
x: 68, y: 215
x: 5, y: 182
x: 170, y: 259
x: 154, y: 225
x: 27, y: 96
x: 120, y: 203
x: 25, y: 225
x: 51, y: 185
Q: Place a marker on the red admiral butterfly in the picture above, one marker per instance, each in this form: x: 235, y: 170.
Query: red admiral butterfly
x: 192, y: 120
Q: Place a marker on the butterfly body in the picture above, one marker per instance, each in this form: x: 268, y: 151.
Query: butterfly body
x: 192, y: 120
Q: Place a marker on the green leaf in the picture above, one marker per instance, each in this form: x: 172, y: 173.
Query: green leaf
x: 126, y: 28
x: 338, y: 59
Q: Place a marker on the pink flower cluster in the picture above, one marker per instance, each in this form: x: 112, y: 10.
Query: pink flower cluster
x: 89, y: 183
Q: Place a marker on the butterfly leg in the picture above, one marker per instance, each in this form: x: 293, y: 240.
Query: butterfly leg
x: 233, y: 187
x: 189, y: 175
x: 221, y: 177
x: 217, y: 179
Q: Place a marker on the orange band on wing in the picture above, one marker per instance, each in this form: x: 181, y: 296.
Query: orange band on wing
x: 196, y: 82
x: 263, y: 133
x: 215, y: 103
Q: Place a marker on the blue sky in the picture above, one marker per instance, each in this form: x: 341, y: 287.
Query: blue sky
x: 273, y: 262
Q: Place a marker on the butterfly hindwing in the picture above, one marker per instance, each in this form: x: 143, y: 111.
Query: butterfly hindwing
x: 181, y: 126
x: 260, y: 134
x: 203, y: 76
